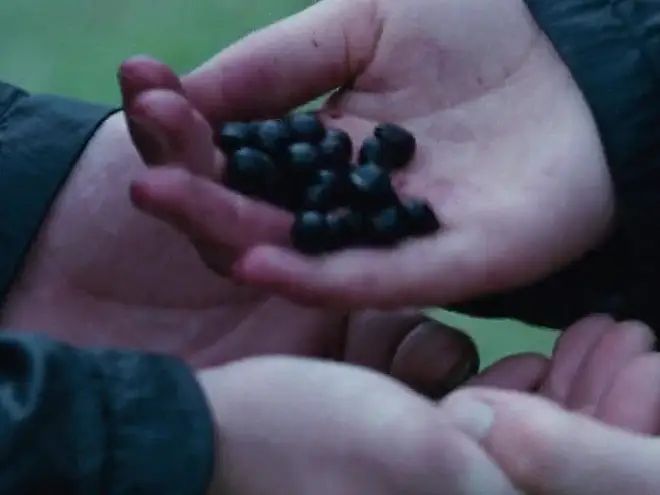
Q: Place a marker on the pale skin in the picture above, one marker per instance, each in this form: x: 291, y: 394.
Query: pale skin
x: 103, y: 274
x: 503, y: 205
x: 588, y: 424
x: 509, y: 155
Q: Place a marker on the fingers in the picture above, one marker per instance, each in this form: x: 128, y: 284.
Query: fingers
x: 428, y: 356
x: 182, y: 134
x: 410, y: 275
x: 357, y: 432
x: 373, y: 337
x: 270, y: 330
x: 289, y: 63
x: 137, y: 75
x: 571, y: 350
x: 524, y: 372
x: 544, y: 449
x: 142, y: 73
x: 209, y: 212
x: 633, y: 400
x: 434, y: 359
x: 614, y: 350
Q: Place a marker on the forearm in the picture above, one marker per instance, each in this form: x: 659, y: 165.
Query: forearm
x: 41, y: 138
x: 89, y: 422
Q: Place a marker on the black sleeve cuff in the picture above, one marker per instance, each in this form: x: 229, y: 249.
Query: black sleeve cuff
x: 100, y: 422
x: 613, y: 51
x: 41, y: 138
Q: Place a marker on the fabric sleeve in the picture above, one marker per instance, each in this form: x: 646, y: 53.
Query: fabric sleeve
x: 41, y: 138
x: 612, y: 48
x: 91, y: 422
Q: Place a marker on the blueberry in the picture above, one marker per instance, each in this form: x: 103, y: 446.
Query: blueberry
x: 398, y: 143
x: 371, y: 188
x: 303, y: 161
x: 327, y: 190
x: 252, y: 172
x: 233, y: 136
x: 306, y: 127
x: 420, y: 218
x: 310, y: 232
x: 372, y: 151
x: 273, y: 137
x: 319, y: 197
x: 336, y: 149
x: 346, y: 228
x: 387, y: 227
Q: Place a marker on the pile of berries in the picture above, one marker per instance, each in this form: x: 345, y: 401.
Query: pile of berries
x: 297, y: 164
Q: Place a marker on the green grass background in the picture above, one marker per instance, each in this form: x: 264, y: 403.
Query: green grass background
x: 72, y: 47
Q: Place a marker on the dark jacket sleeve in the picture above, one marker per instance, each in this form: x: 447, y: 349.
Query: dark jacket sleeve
x: 612, y: 48
x: 41, y: 138
x: 71, y: 421
x: 99, y: 422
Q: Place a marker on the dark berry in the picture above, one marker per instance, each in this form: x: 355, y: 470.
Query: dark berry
x: 306, y: 127
x: 252, y: 172
x: 303, y: 161
x: 372, y: 151
x: 326, y: 191
x: 319, y: 197
x: 310, y: 232
x: 387, y: 227
x: 371, y: 188
x: 336, y: 149
x: 273, y: 137
x: 233, y: 136
x: 420, y: 218
x: 346, y: 228
x: 399, y: 144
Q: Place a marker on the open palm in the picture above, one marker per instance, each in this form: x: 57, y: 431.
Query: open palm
x: 508, y: 153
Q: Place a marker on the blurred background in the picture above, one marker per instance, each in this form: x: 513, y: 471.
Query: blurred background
x: 73, y: 47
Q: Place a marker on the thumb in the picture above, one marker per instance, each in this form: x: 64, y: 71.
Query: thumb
x: 547, y: 450
x: 289, y: 63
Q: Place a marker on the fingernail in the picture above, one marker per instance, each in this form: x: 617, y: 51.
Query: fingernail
x: 472, y: 416
x: 466, y: 368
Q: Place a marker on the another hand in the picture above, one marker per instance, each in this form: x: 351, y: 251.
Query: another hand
x: 103, y: 274
x: 594, y: 427
x: 508, y: 155
x: 297, y: 427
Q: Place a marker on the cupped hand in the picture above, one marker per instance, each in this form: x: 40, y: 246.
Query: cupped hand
x: 103, y: 274
x: 509, y: 155
x: 296, y: 427
x: 593, y: 426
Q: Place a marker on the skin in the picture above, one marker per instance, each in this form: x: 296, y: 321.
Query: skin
x: 101, y: 273
x: 509, y: 155
x: 113, y: 277
x: 504, y: 433
x: 592, y: 427
x: 278, y: 434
